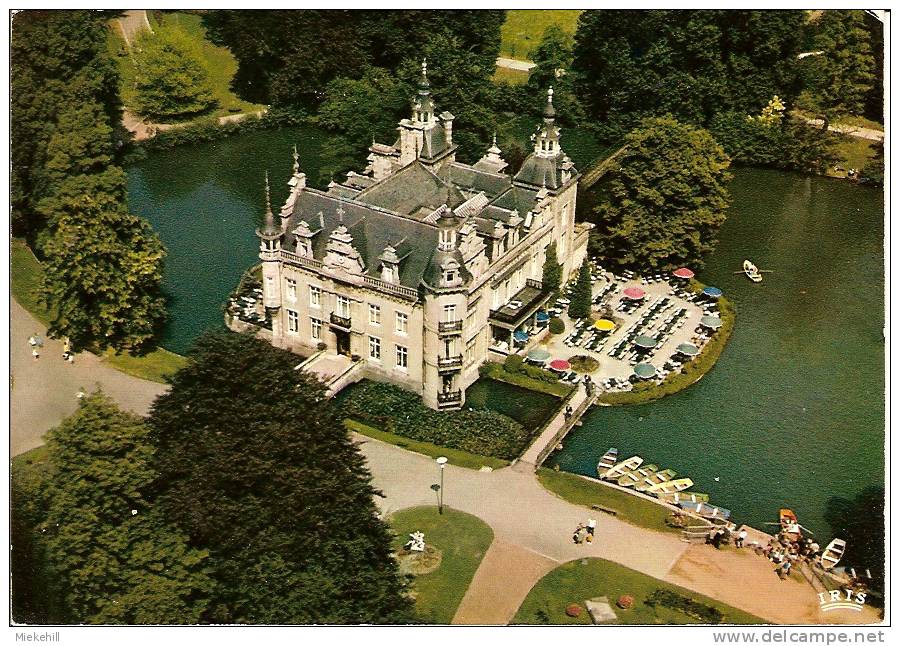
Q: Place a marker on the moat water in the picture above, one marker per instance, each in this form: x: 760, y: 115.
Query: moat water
x: 792, y: 414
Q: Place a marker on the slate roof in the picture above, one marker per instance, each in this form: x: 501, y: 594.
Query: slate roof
x: 542, y: 171
x: 372, y: 231
x: 413, y: 190
x: 517, y: 198
x: 475, y: 180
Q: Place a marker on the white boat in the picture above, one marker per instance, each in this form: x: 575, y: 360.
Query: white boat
x: 631, y: 478
x: 607, y: 462
x: 672, y: 486
x: 654, y: 479
x: 624, y: 467
x: 833, y: 553
x: 676, y: 498
x: 752, y: 272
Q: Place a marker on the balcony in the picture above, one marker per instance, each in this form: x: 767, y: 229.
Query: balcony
x: 520, y: 307
x: 450, y: 327
x: 449, y: 364
x: 449, y: 399
x: 342, y: 322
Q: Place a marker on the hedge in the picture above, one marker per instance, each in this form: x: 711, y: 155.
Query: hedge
x: 530, y: 377
x: 401, y: 412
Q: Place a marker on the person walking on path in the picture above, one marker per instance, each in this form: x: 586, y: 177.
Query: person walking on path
x: 739, y: 542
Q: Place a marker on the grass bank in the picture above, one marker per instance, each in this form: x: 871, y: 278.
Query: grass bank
x: 26, y: 273
x: 523, y: 29
x: 463, y: 541
x: 689, y: 374
x: 629, y: 508
x: 498, y: 372
x: 454, y: 456
x: 583, y: 579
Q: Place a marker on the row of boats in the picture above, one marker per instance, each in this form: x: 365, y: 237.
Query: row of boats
x: 655, y: 481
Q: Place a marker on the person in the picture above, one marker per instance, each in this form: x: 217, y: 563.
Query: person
x: 35, y: 352
x: 33, y: 340
x: 740, y: 538
x: 591, y: 526
x: 67, y: 351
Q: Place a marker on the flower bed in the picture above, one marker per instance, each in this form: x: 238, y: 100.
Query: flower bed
x: 401, y: 412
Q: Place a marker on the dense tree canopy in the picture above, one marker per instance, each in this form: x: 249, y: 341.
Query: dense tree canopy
x: 58, y: 63
x: 103, y: 266
x: 839, y: 80
x: 170, y: 80
x: 664, y: 198
x: 116, y: 558
x: 692, y: 64
x: 553, y: 63
x: 551, y: 275
x: 580, y: 307
x: 256, y: 466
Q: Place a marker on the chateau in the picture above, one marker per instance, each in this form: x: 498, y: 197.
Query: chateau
x: 421, y: 268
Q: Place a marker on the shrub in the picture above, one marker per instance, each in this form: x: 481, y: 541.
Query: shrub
x: 686, y: 605
x: 534, y: 372
x: 583, y: 363
x: 398, y: 411
x: 557, y: 326
x: 514, y: 363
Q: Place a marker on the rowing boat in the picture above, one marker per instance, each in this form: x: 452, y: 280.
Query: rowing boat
x: 676, y: 498
x: 705, y: 510
x: 623, y: 467
x: 752, y: 272
x: 655, y: 479
x: 607, y: 462
x: 673, y: 487
x: 633, y: 477
x: 833, y: 553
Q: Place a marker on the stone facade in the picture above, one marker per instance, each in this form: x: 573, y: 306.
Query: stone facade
x: 421, y: 266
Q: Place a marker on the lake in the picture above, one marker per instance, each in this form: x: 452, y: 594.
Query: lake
x: 792, y: 414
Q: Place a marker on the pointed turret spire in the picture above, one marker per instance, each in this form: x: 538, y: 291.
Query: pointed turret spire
x: 269, y: 228
x: 423, y: 106
x: 423, y: 79
x: 549, y: 110
x: 296, y: 161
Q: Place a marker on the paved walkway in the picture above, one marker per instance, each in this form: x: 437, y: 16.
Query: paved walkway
x: 43, y: 391
x: 533, y: 454
x: 132, y: 23
x: 515, y: 64
x: 851, y: 131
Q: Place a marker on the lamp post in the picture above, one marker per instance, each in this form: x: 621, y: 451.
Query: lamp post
x: 441, y: 462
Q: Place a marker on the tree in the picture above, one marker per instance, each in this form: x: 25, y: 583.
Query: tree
x: 663, y: 199
x: 256, y: 466
x: 839, y: 80
x: 692, y: 64
x: 170, y: 80
x: 104, y: 266
x: 118, y: 559
x: 58, y: 60
x: 552, y: 270
x: 82, y: 143
x: 580, y: 307
x: 366, y: 107
x: 553, y: 62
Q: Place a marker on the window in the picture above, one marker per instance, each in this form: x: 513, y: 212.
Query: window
x: 343, y: 306
x: 402, y: 357
x: 449, y: 313
x: 293, y: 321
x: 315, y: 296
x: 402, y: 323
x: 375, y: 348
x: 315, y: 328
x: 374, y: 314
x: 291, y: 289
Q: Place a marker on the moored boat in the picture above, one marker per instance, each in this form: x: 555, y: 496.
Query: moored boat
x: 673, y: 487
x: 752, y: 272
x: 654, y: 479
x: 710, y: 512
x: 833, y: 553
x: 676, y: 498
x: 624, y: 467
x: 607, y: 462
x: 638, y: 475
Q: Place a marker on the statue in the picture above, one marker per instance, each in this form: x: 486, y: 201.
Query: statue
x: 416, y: 542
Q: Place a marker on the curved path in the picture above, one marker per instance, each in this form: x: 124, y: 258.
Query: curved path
x: 532, y: 527
x: 43, y: 392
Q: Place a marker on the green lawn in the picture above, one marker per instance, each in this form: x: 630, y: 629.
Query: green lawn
x: 854, y: 152
x: 25, y: 275
x: 454, y: 456
x: 463, y: 540
x: 513, y: 77
x: 219, y: 62
x: 524, y: 28
x: 576, y: 581
x: 579, y: 491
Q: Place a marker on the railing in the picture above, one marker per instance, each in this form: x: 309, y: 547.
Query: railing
x: 450, y: 397
x: 340, y: 321
x: 450, y: 326
x: 531, y: 282
x: 303, y: 261
x: 398, y: 290
x: 450, y: 363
